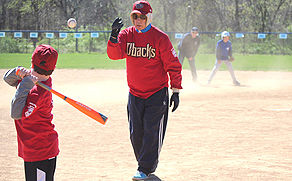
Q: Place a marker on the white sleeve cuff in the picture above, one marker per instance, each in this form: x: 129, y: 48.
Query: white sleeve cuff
x: 175, y: 90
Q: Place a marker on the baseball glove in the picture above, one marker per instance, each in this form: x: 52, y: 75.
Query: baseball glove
x: 231, y: 59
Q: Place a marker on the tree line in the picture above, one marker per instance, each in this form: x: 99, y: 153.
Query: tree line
x: 168, y: 15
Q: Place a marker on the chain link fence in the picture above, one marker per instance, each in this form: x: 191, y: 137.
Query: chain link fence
x: 96, y: 41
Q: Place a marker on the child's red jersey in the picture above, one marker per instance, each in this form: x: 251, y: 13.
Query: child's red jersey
x: 150, y: 57
x: 37, y: 139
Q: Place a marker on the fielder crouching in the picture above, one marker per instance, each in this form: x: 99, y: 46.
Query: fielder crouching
x: 151, y: 60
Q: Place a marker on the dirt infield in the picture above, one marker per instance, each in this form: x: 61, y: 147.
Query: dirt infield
x: 219, y: 132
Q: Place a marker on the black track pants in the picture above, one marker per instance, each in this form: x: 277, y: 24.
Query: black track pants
x: 147, y: 122
x: 40, y: 170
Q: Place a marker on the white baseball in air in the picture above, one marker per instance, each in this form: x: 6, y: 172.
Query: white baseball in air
x: 71, y: 23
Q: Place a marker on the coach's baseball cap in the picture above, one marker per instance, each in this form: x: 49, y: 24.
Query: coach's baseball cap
x: 195, y: 29
x: 44, y: 59
x: 141, y: 7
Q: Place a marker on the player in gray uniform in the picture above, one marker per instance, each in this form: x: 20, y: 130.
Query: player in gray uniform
x: 188, y: 47
x: 224, y: 54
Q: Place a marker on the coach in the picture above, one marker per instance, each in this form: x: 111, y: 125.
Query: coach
x: 151, y: 60
x: 188, y: 47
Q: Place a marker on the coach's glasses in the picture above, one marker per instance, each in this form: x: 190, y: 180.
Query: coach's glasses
x: 142, y: 16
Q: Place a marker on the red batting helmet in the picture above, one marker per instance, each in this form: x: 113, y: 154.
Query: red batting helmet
x: 44, y: 59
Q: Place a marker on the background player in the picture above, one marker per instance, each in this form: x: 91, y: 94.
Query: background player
x: 150, y: 57
x: 188, y: 47
x: 31, y: 109
x: 224, y: 54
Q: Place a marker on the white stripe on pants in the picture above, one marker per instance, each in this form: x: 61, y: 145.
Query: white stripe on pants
x: 161, y: 131
x: 41, y: 175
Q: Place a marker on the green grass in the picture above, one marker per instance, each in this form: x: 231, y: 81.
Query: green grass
x: 70, y: 61
x: 203, y: 62
x: 246, y: 62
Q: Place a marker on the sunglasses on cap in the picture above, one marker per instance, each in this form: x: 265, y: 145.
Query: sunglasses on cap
x: 142, y: 16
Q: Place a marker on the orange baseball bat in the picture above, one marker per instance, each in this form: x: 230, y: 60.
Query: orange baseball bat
x: 81, y: 107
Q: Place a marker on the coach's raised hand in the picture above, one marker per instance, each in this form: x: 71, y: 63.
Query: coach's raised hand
x: 116, y: 28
